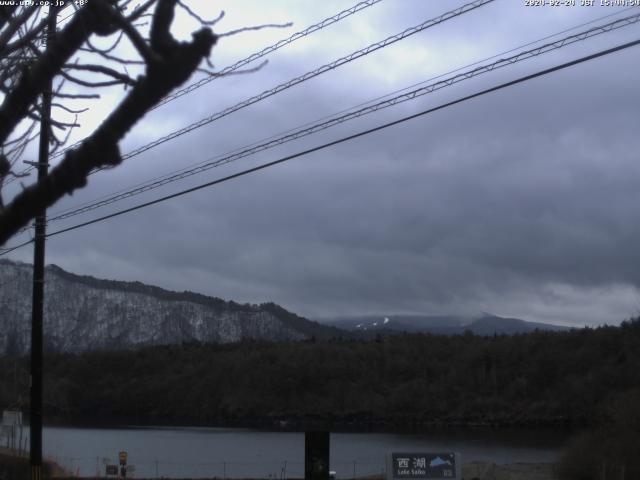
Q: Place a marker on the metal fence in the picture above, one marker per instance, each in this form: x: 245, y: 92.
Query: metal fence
x: 272, y: 470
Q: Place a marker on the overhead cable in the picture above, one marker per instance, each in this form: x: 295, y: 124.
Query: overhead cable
x: 270, y: 49
x: 5, y: 251
x: 307, y: 76
x: 405, y: 89
x: 335, y: 120
x: 342, y: 140
x: 311, y: 74
x: 354, y: 136
x: 247, y: 60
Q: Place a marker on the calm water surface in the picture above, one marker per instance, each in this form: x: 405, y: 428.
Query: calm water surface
x: 236, y: 453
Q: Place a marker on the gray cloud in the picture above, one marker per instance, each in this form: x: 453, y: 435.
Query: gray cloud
x: 522, y: 202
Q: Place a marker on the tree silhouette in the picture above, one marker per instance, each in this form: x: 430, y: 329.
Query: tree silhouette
x: 78, y: 63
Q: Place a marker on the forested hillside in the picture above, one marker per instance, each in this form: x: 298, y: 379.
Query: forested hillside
x: 401, y: 381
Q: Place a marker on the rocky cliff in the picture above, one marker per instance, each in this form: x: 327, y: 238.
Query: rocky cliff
x: 84, y: 313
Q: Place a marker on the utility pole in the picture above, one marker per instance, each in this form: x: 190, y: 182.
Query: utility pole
x: 37, y: 306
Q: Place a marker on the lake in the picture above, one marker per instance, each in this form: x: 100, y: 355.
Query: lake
x: 237, y: 453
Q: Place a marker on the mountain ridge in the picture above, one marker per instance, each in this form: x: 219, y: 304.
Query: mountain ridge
x: 483, y: 324
x: 85, y: 313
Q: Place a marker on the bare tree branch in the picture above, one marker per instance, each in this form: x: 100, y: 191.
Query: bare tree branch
x: 87, y: 83
x: 27, y: 69
x: 77, y: 96
x: 140, y: 10
x: 67, y: 109
x: 256, y: 27
x: 93, y: 48
x: 20, y: 137
x: 160, y: 38
x: 113, y: 58
x: 235, y: 72
x: 60, y: 143
x: 28, y: 37
x: 136, y: 39
x: 177, y: 61
x: 63, y: 125
x: 209, y: 23
x: 121, y: 78
x: 33, y: 80
x: 5, y: 14
x: 14, y: 25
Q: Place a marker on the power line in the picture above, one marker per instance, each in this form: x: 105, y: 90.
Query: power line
x: 316, y: 27
x: 333, y: 121
x: 302, y: 78
x: 309, y: 75
x: 245, y: 61
x: 151, y: 182
x: 354, y: 136
x: 270, y: 49
x: 343, y: 139
x: 5, y: 251
x: 575, y: 27
x: 68, y: 16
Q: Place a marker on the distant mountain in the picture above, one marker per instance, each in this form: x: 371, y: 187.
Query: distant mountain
x: 490, y: 324
x: 84, y: 313
x: 485, y: 324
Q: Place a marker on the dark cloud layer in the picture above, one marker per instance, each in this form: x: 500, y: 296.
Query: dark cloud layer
x: 523, y: 202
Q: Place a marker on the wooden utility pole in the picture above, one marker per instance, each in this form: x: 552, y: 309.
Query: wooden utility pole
x: 37, y: 306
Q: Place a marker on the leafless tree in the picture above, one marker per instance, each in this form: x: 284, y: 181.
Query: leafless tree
x: 81, y: 57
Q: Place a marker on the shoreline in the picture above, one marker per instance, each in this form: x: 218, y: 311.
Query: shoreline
x: 472, y: 470
x: 402, y: 426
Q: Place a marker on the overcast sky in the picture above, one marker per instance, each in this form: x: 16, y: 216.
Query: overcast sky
x: 523, y: 202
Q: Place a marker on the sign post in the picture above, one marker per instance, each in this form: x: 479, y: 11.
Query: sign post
x: 423, y: 466
x: 122, y: 456
x: 316, y: 455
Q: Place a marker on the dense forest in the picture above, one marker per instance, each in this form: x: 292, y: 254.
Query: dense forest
x: 400, y: 381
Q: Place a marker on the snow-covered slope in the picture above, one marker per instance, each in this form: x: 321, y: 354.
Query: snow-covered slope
x: 84, y: 313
